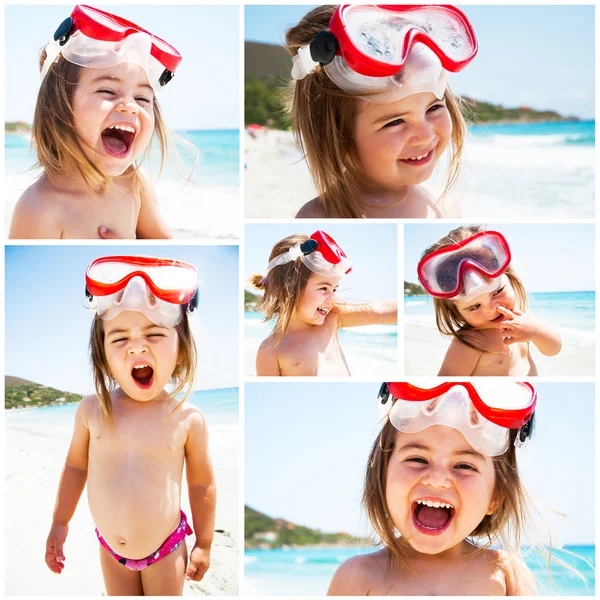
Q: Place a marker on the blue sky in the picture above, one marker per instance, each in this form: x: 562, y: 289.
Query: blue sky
x: 547, y: 258
x: 205, y: 91
x: 538, y: 56
x: 47, y: 322
x: 374, y: 265
x: 307, y: 446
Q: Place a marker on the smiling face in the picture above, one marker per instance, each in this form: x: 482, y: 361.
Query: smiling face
x: 438, y: 488
x: 141, y: 356
x: 317, y: 299
x: 114, y: 115
x: 399, y: 144
x: 481, y: 312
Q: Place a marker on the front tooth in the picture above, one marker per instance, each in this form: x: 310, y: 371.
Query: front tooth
x: 436, y: 505
x: 429, y: 503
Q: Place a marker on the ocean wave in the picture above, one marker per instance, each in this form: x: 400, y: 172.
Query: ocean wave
x: 554, y: 139
x: 414, y: 302
x: 250, y: 559
x: 383, y: 330
x: 580, y: 338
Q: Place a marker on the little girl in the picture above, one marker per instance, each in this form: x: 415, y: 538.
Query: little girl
x: 96, y: 115
x: 442, y: 485
x: 132, y: 438
x: 482, y: 304
x: 299, y: 291
x: 371, y: 108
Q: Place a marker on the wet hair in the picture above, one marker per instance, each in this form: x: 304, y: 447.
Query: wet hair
x: 54, y: 137
x: 448, y: 318
x: 323, y: 116
x: 504, y: 525
x: 282, y: 286
x: 182, y: 377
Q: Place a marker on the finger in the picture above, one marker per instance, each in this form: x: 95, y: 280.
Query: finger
x: 200, y: 573
x: 507, y: 313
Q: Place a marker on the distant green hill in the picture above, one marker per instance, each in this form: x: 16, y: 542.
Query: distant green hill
x: 267, y: 71
x: 17, y: 127
x: 21, y: 393
x: 250, y: 300
x: 263, y: 531
x: 413, y: 289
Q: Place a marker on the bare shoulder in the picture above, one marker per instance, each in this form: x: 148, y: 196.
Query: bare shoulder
x: 148, y: 188
x: 194, y: 418
x: 312, y: 210
x: 519, y: 579
x: 38, y: 213
x: 357, y: 575
x: 460, y: 359
x: 267, y: 358
x: 447, y: 204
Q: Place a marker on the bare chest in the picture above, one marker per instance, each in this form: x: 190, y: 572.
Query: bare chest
x: 118, y: 212
x: 514, y: 360
x: 316, y: 352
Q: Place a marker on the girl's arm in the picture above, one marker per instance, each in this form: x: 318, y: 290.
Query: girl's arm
x: 460, y: 360
x: 384, y: 312
x: 202, y: 493
x: 150, y: 225
x: 70, y: 488
x: 520, y: 327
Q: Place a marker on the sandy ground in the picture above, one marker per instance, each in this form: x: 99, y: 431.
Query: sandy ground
x: 192, y: 212
x: 34, y: 459
x: 425, y: 348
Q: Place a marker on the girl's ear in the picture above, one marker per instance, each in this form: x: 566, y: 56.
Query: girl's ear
x: 495, y: 503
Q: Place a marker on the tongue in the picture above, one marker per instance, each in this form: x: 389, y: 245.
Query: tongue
x: 142, y: 375
x: 434, y: 518
x: 115, y: 144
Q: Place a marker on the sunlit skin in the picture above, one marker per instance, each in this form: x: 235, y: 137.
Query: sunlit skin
x: 131, y: 338
x: 385, y: 135
x: 439, y: 463
x: 484, y: 310
x: 105, y: 97
x: 315, y: 303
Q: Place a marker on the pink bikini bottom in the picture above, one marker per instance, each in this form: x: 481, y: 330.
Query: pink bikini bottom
x: 170, y: 544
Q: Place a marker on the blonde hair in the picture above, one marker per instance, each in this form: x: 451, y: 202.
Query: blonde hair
x: 505, y: 524
x: 282, y: 286
x: 322, y: 117
x: 448, y: 318
x: 53, y: 132
x: 105, y: 383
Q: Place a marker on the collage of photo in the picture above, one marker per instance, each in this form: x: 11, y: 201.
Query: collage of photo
x: 393, y: 206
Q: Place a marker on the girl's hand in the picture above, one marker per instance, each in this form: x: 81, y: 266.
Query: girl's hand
x: 517, y: 326
x: 199, y: 563
x: 54, y: 547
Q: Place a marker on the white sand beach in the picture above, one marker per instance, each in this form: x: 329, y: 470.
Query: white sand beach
x: 35, y: 456
x: 193, y: 212
x: 501, y: 176
x: 425, y: 348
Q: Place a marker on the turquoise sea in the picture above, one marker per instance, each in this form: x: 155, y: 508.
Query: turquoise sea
x: 572, y: 312
x: 218, y: 167
x: 565, y: 133
x: 220, y: 407
x: 305, y: 572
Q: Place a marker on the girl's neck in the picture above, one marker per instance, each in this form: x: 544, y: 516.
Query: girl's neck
x: 71, y: 181
x: 456, y: 552
x: 297, y: 324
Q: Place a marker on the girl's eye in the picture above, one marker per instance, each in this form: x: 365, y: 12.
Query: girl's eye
x: 417, y: 459
x: 473, y: 308
x: 394, y: 123
x: 143, y: 100
x: 499, y: 291
x: 119, y: 340
x: 466, y: 466
x: 436, y: 107
x: 156, y: 335
x: 107, y: 92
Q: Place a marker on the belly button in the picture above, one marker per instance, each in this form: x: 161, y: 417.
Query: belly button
x: 122, y: 541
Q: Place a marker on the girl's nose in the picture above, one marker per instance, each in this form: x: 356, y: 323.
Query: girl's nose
x: 421, y: 134
x: 137, y: 347
x: 128, y: 105
x: 437, y: 477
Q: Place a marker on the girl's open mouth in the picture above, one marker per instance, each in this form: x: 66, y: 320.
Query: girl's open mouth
x: 118, y: 139
x: 498, y: 319
x: 432, y: 517
x: 418, y: 160
x: 143, y: 375
x: 322, y: 311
